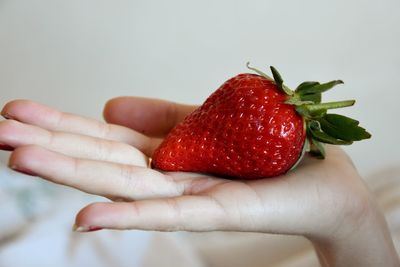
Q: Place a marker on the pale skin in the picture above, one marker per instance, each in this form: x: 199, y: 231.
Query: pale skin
x: 325, y: 201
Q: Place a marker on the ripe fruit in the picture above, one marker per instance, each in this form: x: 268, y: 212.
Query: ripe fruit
x: 254, y: 126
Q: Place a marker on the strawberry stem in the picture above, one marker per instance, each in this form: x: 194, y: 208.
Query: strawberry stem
x: 313, y: 108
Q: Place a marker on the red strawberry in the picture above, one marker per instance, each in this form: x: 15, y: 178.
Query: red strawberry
x: 253, y: 126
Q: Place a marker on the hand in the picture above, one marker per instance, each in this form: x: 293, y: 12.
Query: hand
x: 325, y: 201
x: 111, y: 160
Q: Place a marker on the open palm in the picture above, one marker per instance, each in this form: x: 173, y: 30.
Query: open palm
x: 111, y: 159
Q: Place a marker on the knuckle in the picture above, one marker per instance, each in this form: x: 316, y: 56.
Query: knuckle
x: 131, y: 187
x: 104, y: 129
x: 198, y: 185
x: 135, y: 209
x: 58, y: 119
x: 174, y: 206
x: 172, y: 188
x: 52, y: 138
x: 6, y: 128
x: 103, y: 149
x: 9, y: 124
x: 225, y: 218
x: 131, y: 155
x: 76, y: 167
x: 177, y: 216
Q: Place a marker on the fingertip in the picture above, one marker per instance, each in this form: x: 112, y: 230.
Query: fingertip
x: 98, y: 215
x: 110, y: 107
x: 9, y: 107
x: 85, y: 220
x: 22, y: 154
x: 85, y: 216
x: 23, y: 110
x: 22, y: 160
x: 133, y: 112
x: 29, y: 159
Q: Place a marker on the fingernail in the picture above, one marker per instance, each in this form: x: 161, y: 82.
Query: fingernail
x: 94, y: 228
x: 81, y: 228
x: 6, y: 147
x: 6, y: 116
x: 22, y: 170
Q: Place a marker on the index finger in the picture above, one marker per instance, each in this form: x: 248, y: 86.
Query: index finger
x: 51, y: 119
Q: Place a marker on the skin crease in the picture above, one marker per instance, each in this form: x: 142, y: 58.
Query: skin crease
x: 324, y: 201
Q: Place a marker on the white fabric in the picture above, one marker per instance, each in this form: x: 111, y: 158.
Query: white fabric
x: 36, y: 228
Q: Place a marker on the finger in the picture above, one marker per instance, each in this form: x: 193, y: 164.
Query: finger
x: 100, y: 178
x: 189, y: 213
x: 51, y: 119
x: 149, y: 116
x: 16, y: 134
x: 227, y: 206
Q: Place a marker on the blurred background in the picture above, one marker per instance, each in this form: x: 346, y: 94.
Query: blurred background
x: 75, y: 55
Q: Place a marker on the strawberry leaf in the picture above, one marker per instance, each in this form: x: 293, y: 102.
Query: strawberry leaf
x: 306, y: 86
x: 277, y: 77
x: 315, y: 98
x: 306, y: 148
x: 279, y: 81
x: 259, y: 72
x: 317, y: 149
x: 314, y: 130
x: 343, y: 128
x: 317, y: 88
x: 340, y: 119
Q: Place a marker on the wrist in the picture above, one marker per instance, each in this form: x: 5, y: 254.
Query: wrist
x: 361, y: 238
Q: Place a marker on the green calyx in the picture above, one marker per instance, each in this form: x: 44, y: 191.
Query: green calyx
x: 321, y: 127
